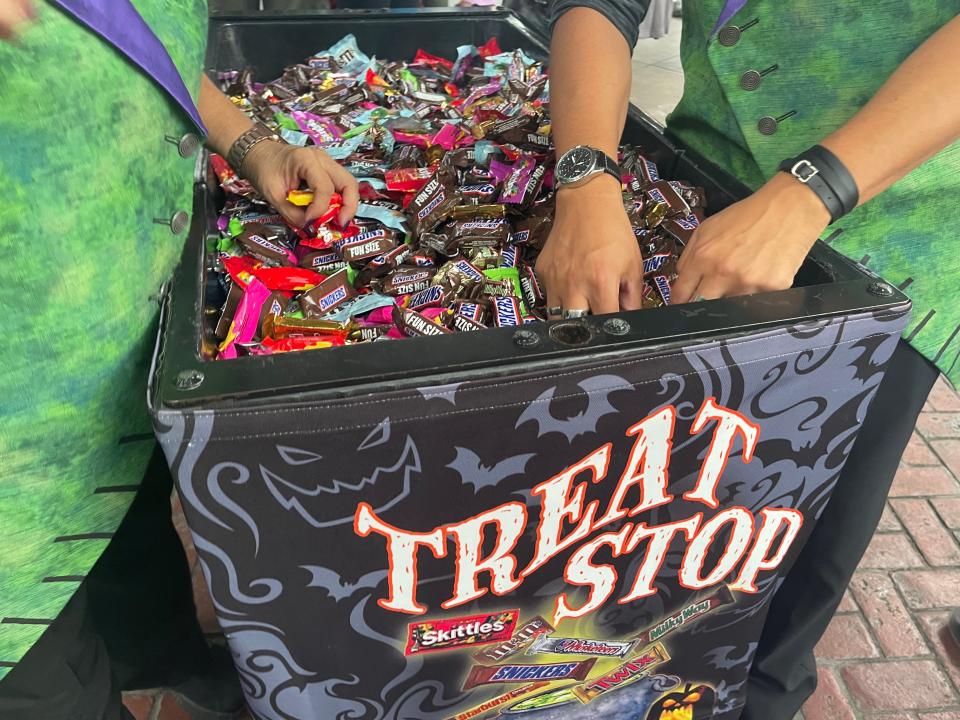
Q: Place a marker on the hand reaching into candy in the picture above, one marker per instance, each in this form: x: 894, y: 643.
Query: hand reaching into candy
x: 275, y: 169
x: 591, y: 260
x: 13, y: 15
x: 756, y: 245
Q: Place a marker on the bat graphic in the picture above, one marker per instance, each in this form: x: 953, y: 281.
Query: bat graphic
x: 473, y: 471
x: 442, y: 392
x: 723, y: 657
x: 325, y: 501
x: 336, y: 588
x: 598, y: 390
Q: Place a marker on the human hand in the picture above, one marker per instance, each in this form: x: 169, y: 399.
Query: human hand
x: 275, y: 169
x: 755, y: 245
x: 591, y: 261
x: 13, y: 14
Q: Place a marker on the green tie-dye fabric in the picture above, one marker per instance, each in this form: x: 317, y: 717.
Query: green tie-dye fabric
x: 84, y: 171
x: 832, y: 57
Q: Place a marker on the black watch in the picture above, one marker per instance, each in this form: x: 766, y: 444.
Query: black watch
x: 821, y: 171
x: 582, y: 163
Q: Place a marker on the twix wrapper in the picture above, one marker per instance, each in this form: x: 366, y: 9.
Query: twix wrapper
x: 622, y: 675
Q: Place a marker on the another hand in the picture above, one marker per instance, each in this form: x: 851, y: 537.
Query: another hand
x: 13, y: 14
x: 756, y: 245
x: 275, y: 169
x: 591, y: 261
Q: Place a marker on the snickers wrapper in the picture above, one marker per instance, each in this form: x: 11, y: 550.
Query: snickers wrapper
x: 486, y: 675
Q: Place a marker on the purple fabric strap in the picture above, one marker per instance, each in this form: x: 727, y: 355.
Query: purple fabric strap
x: 119, y: 23
x: 729, y: 10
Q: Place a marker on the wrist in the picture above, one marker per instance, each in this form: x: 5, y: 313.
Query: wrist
x: 257, y: 154
x: 602, y: 189
x: 799, y: 199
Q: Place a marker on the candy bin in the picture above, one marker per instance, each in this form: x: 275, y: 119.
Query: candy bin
x: 411, y: 493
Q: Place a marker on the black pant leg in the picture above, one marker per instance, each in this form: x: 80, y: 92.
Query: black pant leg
x: 141, y: 596
x: 784, y: 674
x: 66, y: 675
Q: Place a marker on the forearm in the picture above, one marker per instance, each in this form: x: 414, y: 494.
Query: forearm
x: 225, y: 122
x: 590, y: 74
x: 911, y: 118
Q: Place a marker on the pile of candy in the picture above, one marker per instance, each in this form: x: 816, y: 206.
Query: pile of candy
x: 454, y: 161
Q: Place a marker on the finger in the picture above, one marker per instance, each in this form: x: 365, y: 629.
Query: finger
x: 685, y: 286
x: 293, y: 214
x: 711, y: 289
x: 554, y: 299
x: 318, y: 180
x: 687, y: 253
x: 296, y: 216
x: 631, y: 294
x: 575, y: 300
x: 11, y: 17
x: 349, y: 189
x: 605, y: 298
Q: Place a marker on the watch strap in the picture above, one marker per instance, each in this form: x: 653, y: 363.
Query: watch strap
x: 246, y: 142
x: 822, y: 172
x: 607, y: 164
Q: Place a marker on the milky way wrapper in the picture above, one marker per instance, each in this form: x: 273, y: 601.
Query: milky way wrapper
x: 687, y: 615
x: 534, y: 627
x: 624, y: 674
x: 550, y: 672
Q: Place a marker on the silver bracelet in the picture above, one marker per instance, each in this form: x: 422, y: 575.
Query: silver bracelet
x: 246, y: 142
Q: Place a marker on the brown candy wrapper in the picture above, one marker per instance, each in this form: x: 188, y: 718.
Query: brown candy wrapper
x: 404, y: 281
x: 435, y: 201
x: 481, y: 232
x: 328, y: 295
x: 475, y: 212
x: 414, y: 324
x: 690, y: 614
x: 369, y: 245
x: 550, y: 672
x: 626, y: 673
x: 228, y: 311
x: 522, y: 637
x: 257, y: 241
x: 663, y: 191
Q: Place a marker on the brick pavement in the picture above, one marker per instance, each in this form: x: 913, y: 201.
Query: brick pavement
x: 886, y: 655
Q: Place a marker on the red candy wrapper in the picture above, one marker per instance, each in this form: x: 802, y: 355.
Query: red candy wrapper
x: 454, y: 633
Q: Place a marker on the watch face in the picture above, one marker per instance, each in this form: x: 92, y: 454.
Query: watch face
x: 575, y: 164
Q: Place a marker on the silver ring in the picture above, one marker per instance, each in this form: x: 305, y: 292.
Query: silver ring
x: 575, y: 314
x: 554, y: 311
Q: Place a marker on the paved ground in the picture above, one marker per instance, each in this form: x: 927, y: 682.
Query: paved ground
x: 886, y: 656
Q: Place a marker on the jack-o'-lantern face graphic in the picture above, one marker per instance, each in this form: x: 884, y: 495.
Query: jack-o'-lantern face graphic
x: 693, y: 703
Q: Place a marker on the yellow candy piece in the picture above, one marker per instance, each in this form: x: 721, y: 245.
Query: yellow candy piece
x: 301, y: 198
